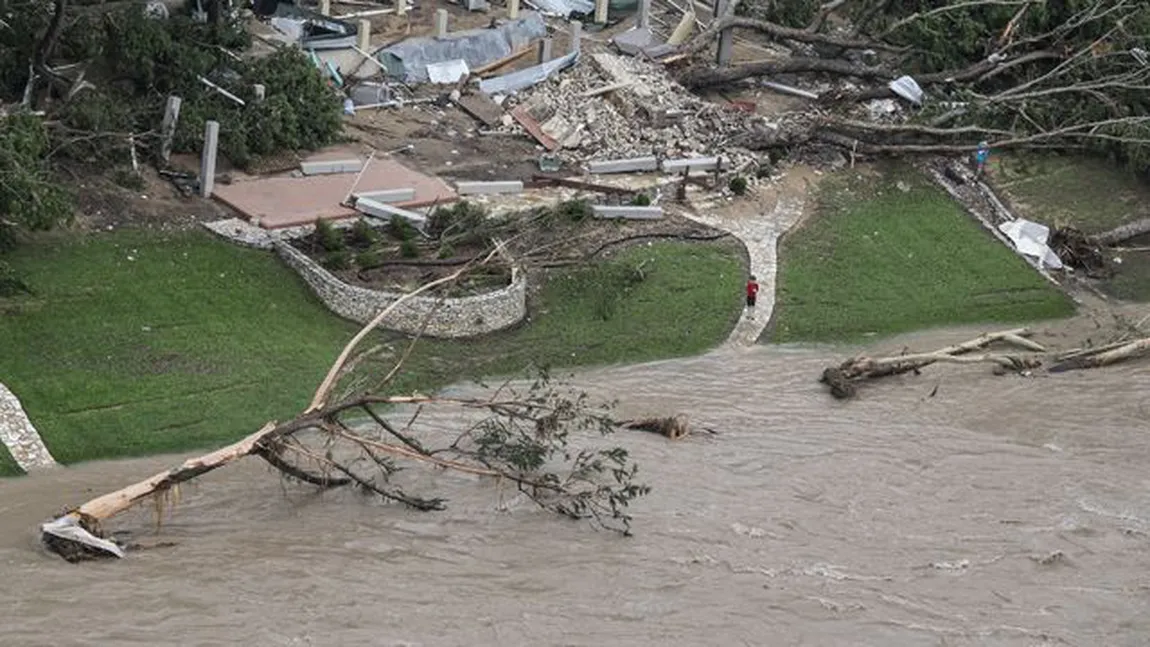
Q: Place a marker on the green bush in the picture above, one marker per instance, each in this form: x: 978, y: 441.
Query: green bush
x: 641, y: 200
x: 339, y: 259
x: 738, y: 185
x: 445, y: 251
x: 328, y: 237
x: 408, y: 249
x: 400, y: 229
x: 363, y: 234
x: 463, y: 217
x: 574, y: 210
x: 29, y: 200
x: 369, y: 259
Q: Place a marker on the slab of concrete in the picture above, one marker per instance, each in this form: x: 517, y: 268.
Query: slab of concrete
x: 286, y: 201
x: 691, y: 164
x: 384, y: 211
x: 488, y: 188
x: 389, y: 196
x: 326, y: 167
x: 632, y: 165
x: 628, y: 213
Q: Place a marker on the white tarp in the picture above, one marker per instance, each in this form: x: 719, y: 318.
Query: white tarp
x: 907, y: 88
x: 66, y: 527
x: 447, y: 72
x: 527, y: 77
x: 1030, y: 239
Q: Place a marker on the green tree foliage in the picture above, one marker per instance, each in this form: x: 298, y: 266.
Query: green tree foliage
x: 29, y: 200
x: 136, y: 61
x: 792, y: 13
x: 1081, y: 69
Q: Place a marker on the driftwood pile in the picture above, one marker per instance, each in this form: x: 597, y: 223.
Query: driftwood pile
x: 1027, y: 356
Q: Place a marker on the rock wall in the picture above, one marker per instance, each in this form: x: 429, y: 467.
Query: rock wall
x: 457, y: 317
x: 18, y: 434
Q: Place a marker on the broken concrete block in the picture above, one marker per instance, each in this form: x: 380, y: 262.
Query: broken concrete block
x: 376, y: 209
x: 629, y: 213
x: 331, y: 166
x: 488, y: 188
x: 691, y: 164
x: 603, y: 167
x: 387, y: 195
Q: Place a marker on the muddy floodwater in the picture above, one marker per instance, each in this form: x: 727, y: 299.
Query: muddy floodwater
x: 1000, y: 511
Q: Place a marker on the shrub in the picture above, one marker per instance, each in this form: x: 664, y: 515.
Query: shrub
x: 461, y: 217
x: 363, y: 234
x: 446, y: 251
x: 369, y: 259
x: 738, y: 185
x: 574, y: 210
x: 408, y: 249
x: 400, y: 229
x: 328, y: 237
x: 337, y: 260
x: 641, y: 200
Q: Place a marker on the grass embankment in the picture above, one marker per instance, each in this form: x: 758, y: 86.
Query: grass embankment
x: 8, y: 464
x: 1091, y: 194
x: 137, y: 344
x: 877, y: 258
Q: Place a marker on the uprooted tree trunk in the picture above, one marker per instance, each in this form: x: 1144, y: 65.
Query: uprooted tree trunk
x: 1123, y: 233
x: 843, y: 380
x: 520, y: 437
x: 1064, y: 78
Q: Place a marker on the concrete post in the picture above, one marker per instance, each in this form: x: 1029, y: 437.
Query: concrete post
x: 544, y: 50
x: 168, y: 126
x: 600, y: 12
x: 441, y: 23
x: 683, y: 29
x: 208, y: 158
x: 401, y: 7
x: 512, y: 9
x: 260, y: 91
x: 726, y: 37
x: 363, y: 36
x: 576, y: 36
x: 644, y: 14
x: 325, y: 7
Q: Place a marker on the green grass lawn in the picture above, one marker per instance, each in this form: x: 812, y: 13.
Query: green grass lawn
x: 1091, y: 194
x: 877, y: 260
x: 8, y: 464
x: 138, y: 343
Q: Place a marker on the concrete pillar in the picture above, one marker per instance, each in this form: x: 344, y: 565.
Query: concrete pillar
x: 600, y: 12
x: 208, y: 158
x: 168, y: 126
x: 683, y: 29
x: 260, y: 91
x: 363, y: 36
x: 512, y: 9
x: 576, y: 36
x: 401, y: 7
x: 644, y: 14
x: 325, y: 7
x: 441, y: 23
x: 726, y: 37
x: 544, y: 50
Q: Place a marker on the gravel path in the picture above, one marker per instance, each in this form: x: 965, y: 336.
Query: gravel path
x: 760, y: 235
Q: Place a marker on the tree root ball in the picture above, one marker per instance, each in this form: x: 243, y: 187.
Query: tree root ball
x: 841, y: 386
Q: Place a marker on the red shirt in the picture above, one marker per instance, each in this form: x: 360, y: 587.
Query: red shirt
x: 752, y: 288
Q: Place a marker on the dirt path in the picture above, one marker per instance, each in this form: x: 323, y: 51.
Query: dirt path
x: 18, y: 434
x: 758, y: 223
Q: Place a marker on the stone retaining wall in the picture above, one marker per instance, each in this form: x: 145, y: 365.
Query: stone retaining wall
x: 453, y: 317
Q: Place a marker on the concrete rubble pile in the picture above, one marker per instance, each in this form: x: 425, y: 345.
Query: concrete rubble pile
x: 647, y: 113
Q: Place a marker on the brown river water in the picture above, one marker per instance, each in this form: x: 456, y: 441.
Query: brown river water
x: 1001, y: 511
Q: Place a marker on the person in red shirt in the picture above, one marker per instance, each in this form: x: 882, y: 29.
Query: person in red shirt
x: 752, y: 292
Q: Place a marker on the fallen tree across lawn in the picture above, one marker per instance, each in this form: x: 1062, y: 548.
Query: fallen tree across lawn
x: 515, y: 436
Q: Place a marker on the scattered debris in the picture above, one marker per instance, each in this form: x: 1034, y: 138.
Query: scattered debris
x: 408, y: 60
x: 1030, y: 238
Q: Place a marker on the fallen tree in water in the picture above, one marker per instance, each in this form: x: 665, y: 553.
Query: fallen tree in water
x: 521, y: 437
x: 843, y: 380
